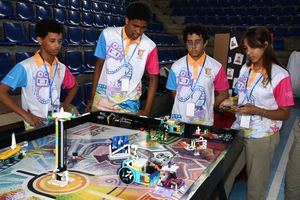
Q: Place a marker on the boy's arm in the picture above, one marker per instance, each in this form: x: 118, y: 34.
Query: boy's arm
x: 95, y: 80
x: 220, y: 96
x: 150, y: 95
x: 6, y: 99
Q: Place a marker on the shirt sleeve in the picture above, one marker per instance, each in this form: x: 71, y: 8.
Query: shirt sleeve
x: 16, y: 77
x: 221, y: 82
x: 171, y: 82
x: 283, y: 93
x: 152, y: 66
x: 100, y: 51
x: 69, y: 80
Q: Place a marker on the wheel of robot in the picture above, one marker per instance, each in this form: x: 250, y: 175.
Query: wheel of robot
x: 126, y: 175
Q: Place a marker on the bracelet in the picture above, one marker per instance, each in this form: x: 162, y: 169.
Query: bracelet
x: 264, y: 113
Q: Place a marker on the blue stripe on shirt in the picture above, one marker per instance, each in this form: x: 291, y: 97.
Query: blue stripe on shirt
x: 100, y: 51
x: 16, y: 77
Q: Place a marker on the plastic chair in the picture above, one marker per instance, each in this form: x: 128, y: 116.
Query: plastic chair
x: 86, y: 6
x: 74, y: 36
x: 74, y: 17
x: 60, y: 15
x: 6, y: 64
x: 96, y: 7
x: 20, y: 56
x: 74, y: 4
x: 14, y: 33
x: 73, y: 60
x: 62, y: 3
x: 106, y: 9
x: 6, y: 9
x: 32, y: 39
x: 43, y: 12
x: 87, y: 19
x: 89, y: 59
x: 99, y: 21
x: 89, y: 37
x: 25, y: 11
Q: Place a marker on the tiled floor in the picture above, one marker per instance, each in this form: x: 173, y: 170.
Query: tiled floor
x: 275, y: 190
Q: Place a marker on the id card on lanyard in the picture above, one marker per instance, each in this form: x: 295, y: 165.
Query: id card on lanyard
x: 55, y: 104
x: 190, y: 106
x: 245, y: 119
x: 126, y: 79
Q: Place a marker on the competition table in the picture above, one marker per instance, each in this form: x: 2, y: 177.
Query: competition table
x: 88, y: 138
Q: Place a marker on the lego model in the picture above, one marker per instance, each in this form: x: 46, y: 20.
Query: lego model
x: 168, y: 177
x: 60, y: 173
x: 172, y: 126
x: 196, y: 145
x: 15, y: 151
x: 139, y: 170
x: 119, y: 148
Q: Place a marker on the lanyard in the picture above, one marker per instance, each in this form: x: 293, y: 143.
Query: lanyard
x: 124, y: 50
x: 252, y: 88
x: 49, y: 79
x: 188, y: 71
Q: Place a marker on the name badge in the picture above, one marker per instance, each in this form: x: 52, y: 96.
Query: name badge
x: 125, y: 84
x: 190, y: 109
x: 245, y: 121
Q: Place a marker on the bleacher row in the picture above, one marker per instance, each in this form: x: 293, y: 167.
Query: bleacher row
x: 98, y: 15
x: 231, y: 3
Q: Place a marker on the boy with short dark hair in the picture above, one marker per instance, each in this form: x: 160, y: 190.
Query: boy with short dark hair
x: 124, y: 53
x: 40, y: 78
x: 197, y: 81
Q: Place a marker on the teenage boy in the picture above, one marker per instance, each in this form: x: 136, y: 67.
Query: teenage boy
x: 124, y: 53
x: 40, y: 78
x: 197, y: 81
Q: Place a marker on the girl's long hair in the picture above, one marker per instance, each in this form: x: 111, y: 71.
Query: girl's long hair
x: 257, y: 36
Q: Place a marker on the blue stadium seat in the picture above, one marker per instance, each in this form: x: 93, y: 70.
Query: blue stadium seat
x: 86, y: 6
x: 14, y: 33
x: 284, y: 20
x: 6, y: 64
x: 74, y: 18
x: 278, y: 44
x: 74, y: 36
x: 96, y: 7
x: 110, y: 21
x: 87, y: 19
x: 89, y: 59
x: 294, y: 31
x: 25, y: 11
x: 288, y: 11
x: 106, y: 9
x: 73, y: 60
x: 43, y: 12
x: 74, y: 4
x: 46, y: 2
x: 296, y: 20
x: 121, y: 12
x: 99, y: 21
x: 60, y: 15
x: 32, y: 39
x: 114, y: 11
x: 6, y: 9
x: 89, y: 37
x: 276, y: 11
x: 119, y: 21
x: 20, y: 56
x: 271, y: 20
x: 62, y: 3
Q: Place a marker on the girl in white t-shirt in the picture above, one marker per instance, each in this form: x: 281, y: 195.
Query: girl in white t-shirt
x: 264, y: 100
